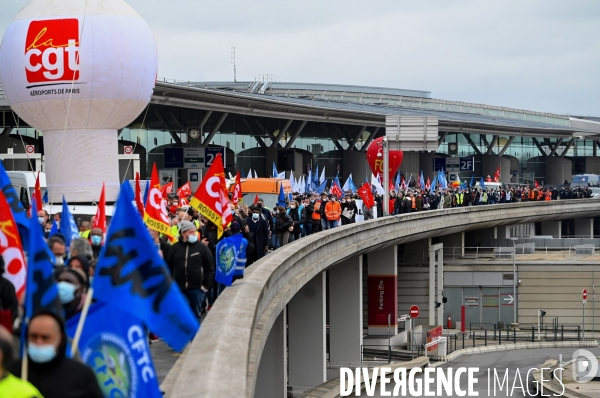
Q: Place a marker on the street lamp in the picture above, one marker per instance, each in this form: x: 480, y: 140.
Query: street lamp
x: 514, y: 279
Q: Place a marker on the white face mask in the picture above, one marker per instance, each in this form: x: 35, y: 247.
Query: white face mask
x: 292, y: 206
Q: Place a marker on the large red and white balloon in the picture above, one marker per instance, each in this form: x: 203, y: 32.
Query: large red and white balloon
x: 79, y: 70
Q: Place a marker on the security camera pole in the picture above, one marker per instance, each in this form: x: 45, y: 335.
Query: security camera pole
x: 584, y: 296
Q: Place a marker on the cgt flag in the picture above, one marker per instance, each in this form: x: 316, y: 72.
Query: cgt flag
x: 114, y: 345
x: 156, y: 215
x: 185, y: 190
x: 211, y: 198
x: 138, y: 195
x: 131, y: 276
x: 366, y: 195
x: 11, y: 248
x: 100, y: 218
x: 237, y: 190
x: 12, y: 198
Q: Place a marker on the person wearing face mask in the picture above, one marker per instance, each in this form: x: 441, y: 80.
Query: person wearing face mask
x: 192, y: 266
x: 283, y: 224
x: 333, y: 212
x: 260, y: 233
x: 57, y: 246
x: 49, y: 369
x: 297, y: 216
x: 324, y: 222
x: 72, y: 286
x: 309, y: 208
x: 42, y: 217
x: 11, y: 386
x: 96, y: 237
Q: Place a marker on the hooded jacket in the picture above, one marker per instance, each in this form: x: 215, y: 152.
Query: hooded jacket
x: 62, y: 377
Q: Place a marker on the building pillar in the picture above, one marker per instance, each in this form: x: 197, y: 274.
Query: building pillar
x: 271, y: 380
x: 346, y: 311
x: 454, y: 243
x: 436, y: 256
x: 551, y: 228
x: 383, y: 291
x: 306, y: 334
x: 584, y: 227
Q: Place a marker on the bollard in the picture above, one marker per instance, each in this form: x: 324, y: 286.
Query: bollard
x: 500, y: 338
x: 473, y: 336
x: 562, y: 332
x: 532, y: 334
x: 485, y: 338
x: 578, y: 337
x: 463, y: 336
x: 515, y: 335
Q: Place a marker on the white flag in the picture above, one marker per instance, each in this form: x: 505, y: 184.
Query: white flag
x: 346, y: 186
x: 322, y: 177
x: 255, y: 175
x: 292, y: 181
x: 249, y: 174
x: 377, y: 185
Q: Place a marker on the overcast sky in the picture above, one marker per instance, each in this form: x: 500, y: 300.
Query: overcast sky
x: 539, y: 55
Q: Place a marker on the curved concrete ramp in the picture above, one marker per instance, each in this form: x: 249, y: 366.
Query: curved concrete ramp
x: 223, y: 359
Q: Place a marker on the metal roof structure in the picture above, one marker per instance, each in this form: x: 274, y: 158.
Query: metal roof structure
x: 247, y: 102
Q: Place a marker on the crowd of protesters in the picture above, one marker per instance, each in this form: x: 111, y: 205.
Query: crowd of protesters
x: 191, y: 252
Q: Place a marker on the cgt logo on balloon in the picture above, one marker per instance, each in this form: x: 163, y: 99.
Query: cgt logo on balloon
x: 52, y: 52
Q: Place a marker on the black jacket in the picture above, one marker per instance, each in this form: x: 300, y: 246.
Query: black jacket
x: 62, y: 377
x: 191, y: 264
x: 8, y: 297
x: 260, y: 233
x: 283, y: 222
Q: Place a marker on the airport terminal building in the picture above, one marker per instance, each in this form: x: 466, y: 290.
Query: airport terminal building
x: 298, y: 125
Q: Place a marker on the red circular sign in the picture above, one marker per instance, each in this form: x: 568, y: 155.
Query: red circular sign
x: 414, y: 311
x: 29, y: 149
x: 584, y: 294
x: 128, y: 149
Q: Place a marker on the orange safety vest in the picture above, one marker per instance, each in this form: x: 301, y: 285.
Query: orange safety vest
x: 548, y: 195
x: 333, y: 211
x: 316, y: 213
x: 414, y: 202
x: 531, y: 195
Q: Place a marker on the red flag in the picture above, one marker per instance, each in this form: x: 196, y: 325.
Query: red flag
x: 138, y: 195
x: 237, y: 190
x: 428, y: 183
x: 366, y: 195
x: 11, y: 248
x: 497, y: 175
x: 166, y: 189
x: 156, y: 215
x: 335, y: 189
x: 536, y: 184
x: 185, y: 190
x: 183, y: 202
x: 37, y: 193
x: 256, y: 200
x: 100, y: 219
x: 211, y: 198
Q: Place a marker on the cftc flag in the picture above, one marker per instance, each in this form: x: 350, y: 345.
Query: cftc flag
x: 131, y: 275
x: 114, y: 345
x: 68, y: 226
x: 227, y: 253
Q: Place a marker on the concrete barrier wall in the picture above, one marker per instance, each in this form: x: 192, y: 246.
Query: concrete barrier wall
x: 223, y: 359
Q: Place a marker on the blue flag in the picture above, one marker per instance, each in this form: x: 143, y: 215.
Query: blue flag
x: 41, y: 292
x: 18, y: 211
x: 472, y: 182
x: 281, y: 199
x: 54, y: 229
x: 290, y: 197
x: 132, y: 276
x: 275, y: 173
x: 321, y: 187
x: 146, y: 191
x: 114, y: 345
x: 68, y: 226
x: 481, y: 183
x: 421, y: 181
x: 45, y: 197
x: 227, y: 253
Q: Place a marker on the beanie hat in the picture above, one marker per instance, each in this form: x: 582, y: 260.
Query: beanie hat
x: 186, y: 226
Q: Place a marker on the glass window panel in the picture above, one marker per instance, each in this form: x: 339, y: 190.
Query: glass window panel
x: 514, y: 115
x: 450, y: 107
x: 535, y: 118
x: 493, y: 112
x: 471, y: 109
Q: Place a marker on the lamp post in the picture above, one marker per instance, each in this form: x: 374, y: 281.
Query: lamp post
x: 514, y: 280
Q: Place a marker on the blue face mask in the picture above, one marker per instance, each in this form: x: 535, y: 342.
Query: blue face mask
x: 66, y: 292
x: 96, y: 240
x: 41, y: 353
x: 41, y: 220
x: 193, y: 238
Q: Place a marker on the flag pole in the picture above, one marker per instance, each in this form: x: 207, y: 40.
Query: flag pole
x: 82, y: 318
x: 24, y: 362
